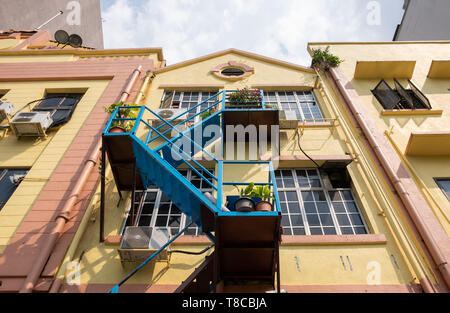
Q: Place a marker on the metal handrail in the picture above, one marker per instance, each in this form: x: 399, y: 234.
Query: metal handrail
x: 171, y: 142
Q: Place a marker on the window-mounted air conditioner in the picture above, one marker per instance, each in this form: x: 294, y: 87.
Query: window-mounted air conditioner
x: 140, y: 242
x: 6, y: 109
x: 31, y: 123
x: 169, y: 114
x: 288, y: 120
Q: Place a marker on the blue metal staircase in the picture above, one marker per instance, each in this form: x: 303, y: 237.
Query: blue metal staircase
x: 140, y: 163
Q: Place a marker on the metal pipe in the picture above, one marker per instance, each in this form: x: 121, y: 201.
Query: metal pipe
x: 410, y: 206
x: 49, y: 20
x: 63, y: 217
x: 148, y: 78
x: 61, y: 220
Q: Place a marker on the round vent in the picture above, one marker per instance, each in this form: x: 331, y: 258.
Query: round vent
x: 233, y: 71
x: 166, y: 113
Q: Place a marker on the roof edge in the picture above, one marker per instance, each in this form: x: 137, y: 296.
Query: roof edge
x: 74, y: 51
x: 237, y: 51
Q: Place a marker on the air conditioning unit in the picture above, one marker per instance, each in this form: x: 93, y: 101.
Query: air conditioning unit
x: 288, y: 120
x: 169, y: 114
x: 140, y: 242
x: 31, y: 123
x: 6, y: 110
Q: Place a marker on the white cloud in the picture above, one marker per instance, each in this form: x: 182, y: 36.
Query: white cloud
x: 279, y: 29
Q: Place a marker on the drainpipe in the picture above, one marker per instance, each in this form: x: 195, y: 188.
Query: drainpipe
x: 141, y: 94
x: 412, y: 209
x: 63, y: 217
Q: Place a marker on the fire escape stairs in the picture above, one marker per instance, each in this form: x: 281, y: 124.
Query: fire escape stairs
x: 246, y: 244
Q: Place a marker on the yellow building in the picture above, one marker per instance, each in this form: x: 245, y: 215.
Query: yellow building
x: 356, y: 205
x: 51, y: 117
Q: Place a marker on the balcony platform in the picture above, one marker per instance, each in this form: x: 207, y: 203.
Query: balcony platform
x: 251, y: 116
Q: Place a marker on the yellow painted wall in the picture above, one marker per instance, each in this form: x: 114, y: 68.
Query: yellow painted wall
x: 401, y: 126
x: 317, y: 264
x: 9, y: 43
x: 39, y: 154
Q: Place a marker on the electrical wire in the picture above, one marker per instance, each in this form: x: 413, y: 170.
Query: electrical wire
x: 193, y: 253
x: 298, y: 140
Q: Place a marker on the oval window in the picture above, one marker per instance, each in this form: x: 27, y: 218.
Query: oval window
x: 232, y: 71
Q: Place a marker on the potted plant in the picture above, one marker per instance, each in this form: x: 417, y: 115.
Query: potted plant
x: 325, y: 59
x: 121, y: 126
x: 244, y: 203
x: 264, y: 193
x: 245, y: 98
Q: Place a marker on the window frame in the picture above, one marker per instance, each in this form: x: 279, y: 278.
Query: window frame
x: 298, y: 189
x: 3, y: 173
x: 298, y: 102
x: 180, y: 100
x: 157, y: 203
x: 54, y: 109
x: 436, y: 180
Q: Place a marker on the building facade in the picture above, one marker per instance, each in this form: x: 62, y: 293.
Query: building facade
x: 424, y: 20
x: 69, y: 86
x: 81, y: 17
x: 356, y: 207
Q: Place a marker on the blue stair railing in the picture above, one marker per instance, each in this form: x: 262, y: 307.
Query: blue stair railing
x: 158, y: 167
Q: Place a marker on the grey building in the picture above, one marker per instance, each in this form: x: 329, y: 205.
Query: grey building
x: 424, y: 20
x: 82, y: 17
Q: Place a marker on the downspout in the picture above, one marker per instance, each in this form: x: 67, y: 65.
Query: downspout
x: 427, y: 236
x: 141, y: 94
x: 63, y: 217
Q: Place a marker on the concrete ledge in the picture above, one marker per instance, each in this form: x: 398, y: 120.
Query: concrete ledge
x: 371, y: 239
x: 411, y: 112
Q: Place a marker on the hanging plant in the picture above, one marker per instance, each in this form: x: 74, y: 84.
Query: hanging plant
x: 325, y: 59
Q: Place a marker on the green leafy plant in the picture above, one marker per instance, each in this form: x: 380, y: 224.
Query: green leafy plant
x: 262, y: 192
x: 325, y: 59
x: 207, y: 113
x: 247, y: 191
x: 271, y: 106
x: 245, y: 96
x: 122, y: 113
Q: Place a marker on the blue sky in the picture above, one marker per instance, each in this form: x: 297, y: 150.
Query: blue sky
x: 280, y: 29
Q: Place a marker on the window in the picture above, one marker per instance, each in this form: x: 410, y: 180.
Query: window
x: 188, y: 99
x: 61, y: 106
x: 9, y: 180
x: 310, y: 208
x: 444, y: 184
x: 158, y: 211
x: 302, y: 103
x: 399, y: 97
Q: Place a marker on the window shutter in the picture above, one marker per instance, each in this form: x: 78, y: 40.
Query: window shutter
x: 406, y: 97
x: 424, y: 100
x: 386, y: 96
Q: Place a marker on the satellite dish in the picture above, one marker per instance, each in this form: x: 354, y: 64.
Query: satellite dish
x: 61, y: 37
x: 75, y: 40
